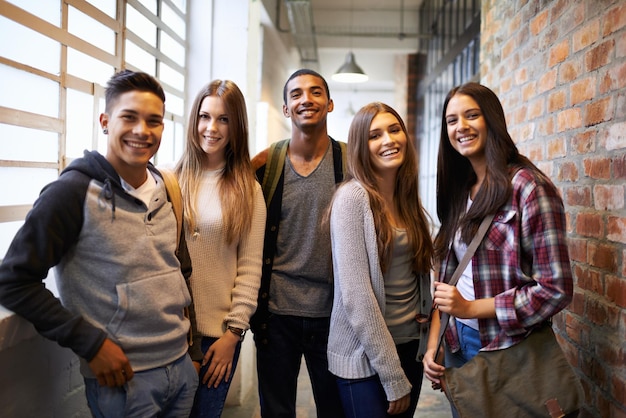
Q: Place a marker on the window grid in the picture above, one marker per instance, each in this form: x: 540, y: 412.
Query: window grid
x: 451, y: 23
x: 86, y: 84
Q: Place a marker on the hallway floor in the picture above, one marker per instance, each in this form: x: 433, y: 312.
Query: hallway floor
x: 432, y: 404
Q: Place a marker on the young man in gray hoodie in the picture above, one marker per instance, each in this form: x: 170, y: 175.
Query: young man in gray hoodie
x: 107, y: 227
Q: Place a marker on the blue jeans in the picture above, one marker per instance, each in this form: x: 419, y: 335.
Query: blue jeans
x: 209, y: 402
x: 166, y: 391
x: 278, y: 366
x: 469, y: 339
x: 366, y: 398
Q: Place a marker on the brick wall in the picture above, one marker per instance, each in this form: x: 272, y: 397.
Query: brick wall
x: 559, y: 67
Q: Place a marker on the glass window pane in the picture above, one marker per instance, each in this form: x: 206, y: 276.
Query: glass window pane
x: 90, y: 30
x: 150, y: 5
x: 7, y: 232
x: 106, y: 6
x: 172, y: 77
x: 140, y: 58
x: 19, y: 88
x: 140, y: 25
x: 88, y: 68
x: 24, y: 41
x: 79, y: 124
x: 166, y: 150
x: 174, y: 104
x: 25, y: 191
x: 181, y: 5
x: 172, y: 49
x: 46, y: 10
x: 173, y: 20
x: 24, y: 144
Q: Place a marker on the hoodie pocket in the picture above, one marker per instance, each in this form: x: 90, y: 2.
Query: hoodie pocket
x: 150, y: 307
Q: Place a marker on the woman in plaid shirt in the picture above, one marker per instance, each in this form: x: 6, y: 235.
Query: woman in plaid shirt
x: 520, y: 275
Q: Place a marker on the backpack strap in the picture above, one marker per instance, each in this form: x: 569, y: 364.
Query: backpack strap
x: 274, y: 168
x: 176, y: 198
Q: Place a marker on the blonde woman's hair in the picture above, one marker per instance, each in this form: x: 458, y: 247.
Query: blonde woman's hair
x: 237, y: 183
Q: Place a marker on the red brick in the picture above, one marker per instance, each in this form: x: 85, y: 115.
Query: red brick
x: 613, y: 79
x: 569, y: 119
x: 608, y: 198
x: 535, y: 152
x: 529, y: 91
x: 584, y: 142
x: 582, y: 90
x: 589, y: 225
x: 521, y: 76
x: 597, y: 312
x: 599, y: 56
x: 547, y: 81
x: 536, y: 109
x: 589, y: 280
x: 568, y: 171
x: 598, y: 111
x: 620, y: 47
x: 509, y: 47
x: 556, y: 100
x: 578, y: 196
x: 586, y: 36
x: 618, y: 167
x: 597, y: 168
x: 603, y: 257
x: 556, y: 148
x: 616, y: 290
x: 546, y: 126
x: 618, y: 391
x: 539, y: 22
x: 616, y: 229
x: 577, y: 306
x: 570, y: 70
x: 614, y: 20
x: 558, y: 53
x: 616, y: 136
x: 576, y: 329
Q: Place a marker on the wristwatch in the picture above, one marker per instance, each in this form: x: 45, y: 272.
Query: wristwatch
x: 237, y: 331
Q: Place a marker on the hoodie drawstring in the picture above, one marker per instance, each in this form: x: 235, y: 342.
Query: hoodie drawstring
x: 108, y: 194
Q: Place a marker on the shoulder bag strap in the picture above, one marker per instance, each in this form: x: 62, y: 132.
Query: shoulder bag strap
x: 471, y: 249
x: 273, y: 169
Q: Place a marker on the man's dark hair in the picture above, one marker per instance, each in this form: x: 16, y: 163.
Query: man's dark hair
x: 305, y: 71
x: 127, y: 80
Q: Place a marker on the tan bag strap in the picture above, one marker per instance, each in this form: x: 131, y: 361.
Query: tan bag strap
x: 176, y: 198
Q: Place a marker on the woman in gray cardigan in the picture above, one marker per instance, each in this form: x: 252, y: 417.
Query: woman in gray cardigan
x: 382, y: 252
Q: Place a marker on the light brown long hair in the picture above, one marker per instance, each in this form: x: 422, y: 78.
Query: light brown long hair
x: 237, y: 183
x: 406, y: 196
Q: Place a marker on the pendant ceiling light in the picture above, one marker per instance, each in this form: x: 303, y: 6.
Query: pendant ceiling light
x: 350, y: 72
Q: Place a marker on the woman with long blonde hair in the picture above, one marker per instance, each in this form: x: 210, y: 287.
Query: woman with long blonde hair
x: 224, y: 222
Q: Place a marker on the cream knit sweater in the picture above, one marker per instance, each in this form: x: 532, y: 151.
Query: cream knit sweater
x: 226, y: 278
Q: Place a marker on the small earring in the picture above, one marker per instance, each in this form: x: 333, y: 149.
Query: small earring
x: 105, y: 131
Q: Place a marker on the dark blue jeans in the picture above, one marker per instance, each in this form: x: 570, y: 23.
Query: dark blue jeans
x: 278, y: 366
x: 209, y: 402
x: 366, y: 398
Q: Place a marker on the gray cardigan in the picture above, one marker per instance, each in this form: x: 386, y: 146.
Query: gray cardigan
x: 359, y: 344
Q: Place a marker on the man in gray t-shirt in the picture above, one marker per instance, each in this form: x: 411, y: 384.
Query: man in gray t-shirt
x: 295, y: 300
